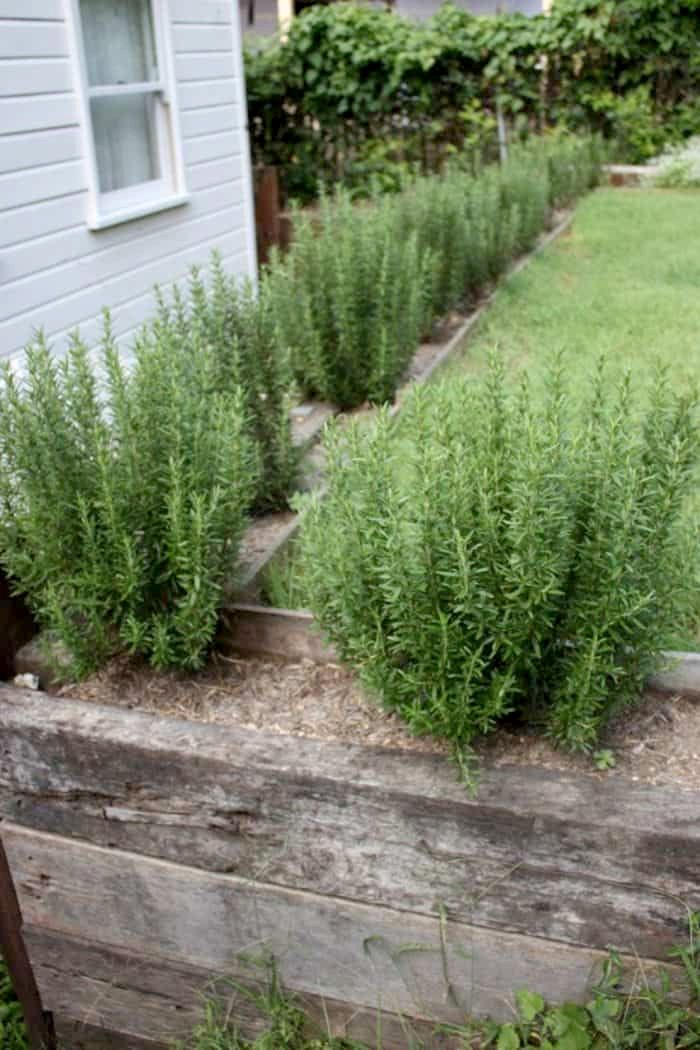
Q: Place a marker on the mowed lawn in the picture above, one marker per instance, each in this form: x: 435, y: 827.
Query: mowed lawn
x: 624, y: 281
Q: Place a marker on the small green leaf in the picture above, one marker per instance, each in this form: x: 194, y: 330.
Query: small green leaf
x: 529, y: 1004
x: 508, y: 1038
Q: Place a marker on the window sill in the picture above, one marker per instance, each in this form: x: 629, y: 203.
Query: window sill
x: 136, y: 211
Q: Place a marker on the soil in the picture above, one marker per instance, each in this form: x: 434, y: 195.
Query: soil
x: 657, y: 741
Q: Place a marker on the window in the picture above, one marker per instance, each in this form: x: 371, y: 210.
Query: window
x: 132, y: 140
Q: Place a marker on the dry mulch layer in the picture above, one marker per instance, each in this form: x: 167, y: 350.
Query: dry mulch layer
x: 657, y: 741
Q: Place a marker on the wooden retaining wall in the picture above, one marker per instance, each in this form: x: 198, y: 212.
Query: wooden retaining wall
x: 149, y: 854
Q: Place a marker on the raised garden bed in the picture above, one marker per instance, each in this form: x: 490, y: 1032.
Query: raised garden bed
x: 150, y: 852
x: 162, y: 828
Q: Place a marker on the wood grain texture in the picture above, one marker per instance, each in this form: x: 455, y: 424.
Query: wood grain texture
x: 255, y: 629
x: 125, y: 994
x: 76, y: 1035
x: 681, y: 676
x: 13, y: 951
x: 590, y: 860
x: 366, y: 955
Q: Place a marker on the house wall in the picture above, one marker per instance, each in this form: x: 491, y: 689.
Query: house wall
x: 265, y: 11
x: 55, y: 273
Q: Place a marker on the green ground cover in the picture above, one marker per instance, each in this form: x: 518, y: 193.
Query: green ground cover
x: 13, y: 1035
x: 625, y: 281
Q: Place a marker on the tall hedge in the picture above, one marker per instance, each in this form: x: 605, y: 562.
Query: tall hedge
x: 359, y: 93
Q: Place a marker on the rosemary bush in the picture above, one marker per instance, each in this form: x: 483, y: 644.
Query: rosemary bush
x: 241, y: 328
x: 351, y: 299
x: 505, y: 553
x: 123, y: 494
x: 573, y: 163
x: 362, y: 283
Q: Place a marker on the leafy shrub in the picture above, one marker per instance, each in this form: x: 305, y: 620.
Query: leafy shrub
x: 361, y: 283
x: 13, y: 1034
x: 239, y: 324
x: 503, y: 553
x: 123, y: 498
x: 680, y: 167
x: 472, y: 224
x: 350, y: 77
x: 351, y: 299
x: 574, y: 164
x: 636, y: 131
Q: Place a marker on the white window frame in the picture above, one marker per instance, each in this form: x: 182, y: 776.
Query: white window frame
x: 168, y: 191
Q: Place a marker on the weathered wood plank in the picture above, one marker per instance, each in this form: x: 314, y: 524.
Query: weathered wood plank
x: 370, y: 956
x: 254, y: 629
x: 74, y: 1035
x: 680, y: 678
x: 14, y: 952
x: 95, y: 989
x: 590, y: 860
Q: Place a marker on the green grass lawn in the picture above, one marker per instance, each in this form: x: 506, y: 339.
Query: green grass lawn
x: 624, y: 281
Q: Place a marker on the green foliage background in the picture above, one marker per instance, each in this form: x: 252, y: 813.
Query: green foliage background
x: 362, y: 94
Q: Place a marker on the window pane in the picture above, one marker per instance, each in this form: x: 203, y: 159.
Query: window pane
x: 125, y: 140
x: 119, y: 41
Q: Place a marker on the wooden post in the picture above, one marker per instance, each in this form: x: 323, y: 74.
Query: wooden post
x: 267, y: 210
x: 39, y: 1024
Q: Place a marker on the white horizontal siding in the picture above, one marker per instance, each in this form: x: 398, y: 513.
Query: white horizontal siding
x: 214, y: 172
x: 114, y: 265
x: 211, y: 147
x: 206, y: 93
x: 209, y: 120
x: 35, y: 76
x: 35, y: 10
x: 20, y: 224
x: 36, y: 112
x: 38, y: 184
x: 206, y: 12
x: 77, y: 242
x: 202, y: 65
x: 57, y: 274
x: 202, y: 38
x: 34, y: 149
x: 33, y: 39
x: 58, y: 315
